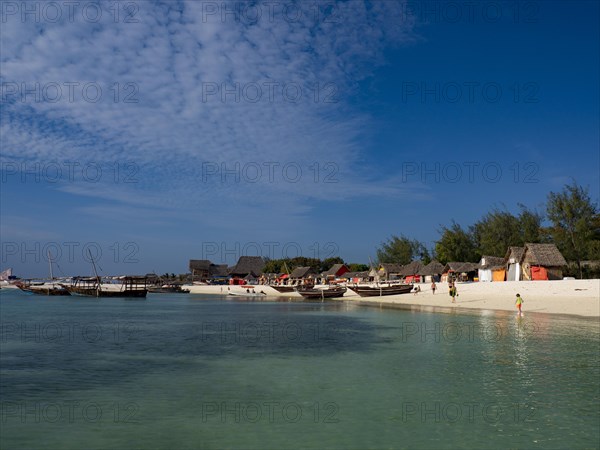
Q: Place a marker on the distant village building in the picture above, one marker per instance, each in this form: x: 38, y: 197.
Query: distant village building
x: 432, y: 271
x: 336, y: 271
x: 248, y: 265
x: 203, y: 269
x: 512, y: 261
x: 389, y: 271
x: 410, y: 272
x: 542, y: 262
x: 358, y: 277
x: 461, y: 271
x: 491, y: 268
x: 302, y: 273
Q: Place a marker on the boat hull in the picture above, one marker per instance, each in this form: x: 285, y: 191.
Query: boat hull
x: 374, y: 291
x: 95, y: 292
x: 320, y: 294
x: 51, y: 290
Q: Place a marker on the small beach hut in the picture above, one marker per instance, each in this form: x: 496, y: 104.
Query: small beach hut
x: 389, y: 271
x: 491, y: 268
x: 512, y: 261
x: 432, y: 271
x: 542, y: 262
x: 248, y: 265
x: 200, y: 268
x: 302, y: 273
x: 410, y: 272
x: 336, y: 271
x: 460, y: 271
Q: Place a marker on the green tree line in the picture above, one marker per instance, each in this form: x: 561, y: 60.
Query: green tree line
x: 573, y: 224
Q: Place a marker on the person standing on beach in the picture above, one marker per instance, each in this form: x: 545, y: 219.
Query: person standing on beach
x: 453, y: 293
x: 433, y: 287
x: 519, y: 302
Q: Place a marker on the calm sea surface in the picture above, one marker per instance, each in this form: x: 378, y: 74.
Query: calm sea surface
x: 182, y: 371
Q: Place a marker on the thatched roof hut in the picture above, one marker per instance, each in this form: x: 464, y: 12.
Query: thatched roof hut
x: 248, y: 265
x: 465, y: 271
x: 411, y: 269
x: 388, y: 270
x: 336, y: 270
x: 514, y: 253
x: 491, y: 268
x: 302, y: 272
x: 512, y: 261
x: 542, y: 262
x: 432, y: 269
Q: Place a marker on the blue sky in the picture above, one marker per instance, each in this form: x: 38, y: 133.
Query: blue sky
x: 338, y: 128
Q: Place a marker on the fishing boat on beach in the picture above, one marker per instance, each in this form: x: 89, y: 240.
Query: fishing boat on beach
x: 170, y: 288
x: 379, y: 290
x: 312, y: 293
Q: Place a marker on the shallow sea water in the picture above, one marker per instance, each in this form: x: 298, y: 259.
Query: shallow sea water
x: 184, y: 371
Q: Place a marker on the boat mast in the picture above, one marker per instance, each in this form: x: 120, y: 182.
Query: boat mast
x: 95, y: 272
x: 50, y: 262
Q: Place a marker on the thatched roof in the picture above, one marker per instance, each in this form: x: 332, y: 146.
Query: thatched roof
x: 248, y: 265
x: 335, y: 269
x: 491, y: 262
x: 546, y: 255
x: 433, y: 268
x: 302, y: 272
x: 514, y: 252
x: 364, y: 274
x: 391, y: 267
x: 460, y: 267
x: 218, y: 270
x: 412, y: 268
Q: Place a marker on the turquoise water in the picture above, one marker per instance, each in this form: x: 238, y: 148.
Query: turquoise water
x: 181, y: 371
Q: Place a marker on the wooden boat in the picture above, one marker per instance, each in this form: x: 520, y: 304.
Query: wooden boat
x: 50, y: 288
x: 45, y: 287
x: 381, y: 290
x: 168, y: 289
x: 283, y: 288
x: 320, y: 294
x: 131, y: 287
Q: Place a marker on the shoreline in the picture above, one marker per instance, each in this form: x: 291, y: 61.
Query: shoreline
x: 572, y: 298
x: 460, y: 310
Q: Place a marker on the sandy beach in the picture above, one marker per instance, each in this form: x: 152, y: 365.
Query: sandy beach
x: 565, y: 297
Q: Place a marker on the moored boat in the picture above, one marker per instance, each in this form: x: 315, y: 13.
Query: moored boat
x: 283, y: 288
x: 169, y: 289
x: 50, y: 288
x: 132, y: 287
x: 320, y: 294
x: 380, y: 290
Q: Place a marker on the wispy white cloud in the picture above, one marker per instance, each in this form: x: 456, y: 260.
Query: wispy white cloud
x: 159, y: 110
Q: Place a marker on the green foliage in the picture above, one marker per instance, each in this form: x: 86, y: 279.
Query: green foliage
x: 575, y: 223
x: 401, y: 250
x: 498, y: 230
x: 358, y: 267
x: 456, y: 244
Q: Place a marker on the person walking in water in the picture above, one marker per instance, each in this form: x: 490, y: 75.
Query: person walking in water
x: 433, y: 286
x: 453, y: 293
x: 519, y: 302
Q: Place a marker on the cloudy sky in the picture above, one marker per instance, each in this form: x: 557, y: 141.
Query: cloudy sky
x: 149, y: 133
